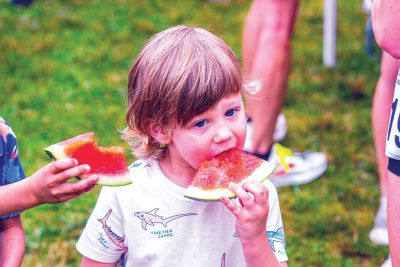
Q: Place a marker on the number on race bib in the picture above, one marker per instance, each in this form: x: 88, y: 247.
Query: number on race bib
x: 393, y: 134
x: 394, y: 107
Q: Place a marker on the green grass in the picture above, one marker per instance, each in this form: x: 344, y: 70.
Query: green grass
x: 63, y: 72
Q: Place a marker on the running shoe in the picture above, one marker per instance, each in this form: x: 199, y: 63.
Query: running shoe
x: 379, y: 233
x: 387, y: 262
x: 295, y: 168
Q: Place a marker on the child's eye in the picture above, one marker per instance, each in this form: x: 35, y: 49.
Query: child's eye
x: 230, y: 112
x: 200, y: 124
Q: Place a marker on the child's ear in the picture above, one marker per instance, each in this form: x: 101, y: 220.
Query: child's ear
x: 161, y: 134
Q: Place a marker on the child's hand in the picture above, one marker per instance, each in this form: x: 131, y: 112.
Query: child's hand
x: 50, y: 183
x: 251, y: 215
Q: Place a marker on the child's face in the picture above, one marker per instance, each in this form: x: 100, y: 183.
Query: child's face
x: 218, y: 129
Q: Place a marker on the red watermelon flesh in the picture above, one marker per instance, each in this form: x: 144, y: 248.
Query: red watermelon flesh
x: 213, y: 176
x: 109, y: 163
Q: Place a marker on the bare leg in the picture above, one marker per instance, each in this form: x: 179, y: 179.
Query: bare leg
x: 380, y: 113
x: 393, y: 217
x: 267, y: 58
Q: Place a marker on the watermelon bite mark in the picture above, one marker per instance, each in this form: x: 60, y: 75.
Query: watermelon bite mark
x: 211, y: 180
x: 109, y: 163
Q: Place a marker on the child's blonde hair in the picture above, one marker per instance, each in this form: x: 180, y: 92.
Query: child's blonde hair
x: 180, y: 73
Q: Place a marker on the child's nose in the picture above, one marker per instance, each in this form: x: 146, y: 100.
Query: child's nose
x: 222, y: 134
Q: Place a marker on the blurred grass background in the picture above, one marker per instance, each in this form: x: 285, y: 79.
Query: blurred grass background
x: 63, y: 69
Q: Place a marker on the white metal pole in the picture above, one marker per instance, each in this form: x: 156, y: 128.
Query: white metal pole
x: 329, y: 34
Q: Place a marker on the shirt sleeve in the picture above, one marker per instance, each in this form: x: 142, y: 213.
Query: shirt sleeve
x: 275, y: 232
x: 11, y: 170
x: 102, y: 238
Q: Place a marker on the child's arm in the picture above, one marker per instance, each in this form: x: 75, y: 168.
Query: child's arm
x: 47, y: 185
x: 251, y: 217
x: 86, y: 262
x: 12, y: 242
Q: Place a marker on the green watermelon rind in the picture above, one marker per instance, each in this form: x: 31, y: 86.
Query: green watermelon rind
x: 260, y: 174
x: 56, y: 152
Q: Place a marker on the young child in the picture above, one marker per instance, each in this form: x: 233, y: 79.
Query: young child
x: 47, y: 185
x: 184, y: 106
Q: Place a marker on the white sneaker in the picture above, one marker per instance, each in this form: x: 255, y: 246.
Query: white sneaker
x: 296, y: 168
x: 387, y: 262
x: 279, y: 132
x: 379, y: 233
x: 367, y: 6
x: 280, y: 128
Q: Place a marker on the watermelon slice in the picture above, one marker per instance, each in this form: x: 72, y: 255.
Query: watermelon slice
x: 213, y: 176
x: 109, y: 163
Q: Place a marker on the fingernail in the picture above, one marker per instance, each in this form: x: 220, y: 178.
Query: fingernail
x: 75, y: 162
x: 86, y: 168
x: 231, y: 184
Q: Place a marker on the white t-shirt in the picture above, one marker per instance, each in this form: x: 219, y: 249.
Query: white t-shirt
x: 151, y: 223
x: 393, y: 134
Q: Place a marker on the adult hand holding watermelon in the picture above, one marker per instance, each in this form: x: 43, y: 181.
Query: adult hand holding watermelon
x: 108, y: 163
x: 212, y: 179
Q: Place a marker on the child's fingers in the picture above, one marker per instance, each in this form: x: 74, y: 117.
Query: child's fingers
x: 72, y: 172
x: 232, y: 207
x: 89, y: 188
x: 258, y: 191
x: 87, y: 182
x: 70, y: 196
x: 245, y: 198
x: 83, y: 185
x: 62, y: 164
x: 77, y: 187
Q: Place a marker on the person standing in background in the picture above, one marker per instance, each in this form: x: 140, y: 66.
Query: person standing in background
x: 266, y: 65
x: 386, y: 26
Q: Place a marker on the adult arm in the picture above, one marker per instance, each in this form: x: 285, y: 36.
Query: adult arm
x: 386, y: 25
x: 12, y: 242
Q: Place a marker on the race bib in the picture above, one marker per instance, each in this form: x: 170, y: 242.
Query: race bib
x: 393, y: 134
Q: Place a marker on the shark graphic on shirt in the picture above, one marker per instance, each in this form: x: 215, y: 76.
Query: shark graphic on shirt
x: 116, y: 239
x: 273, y: 237
x: 151, y: 218
x: 276, y: 236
